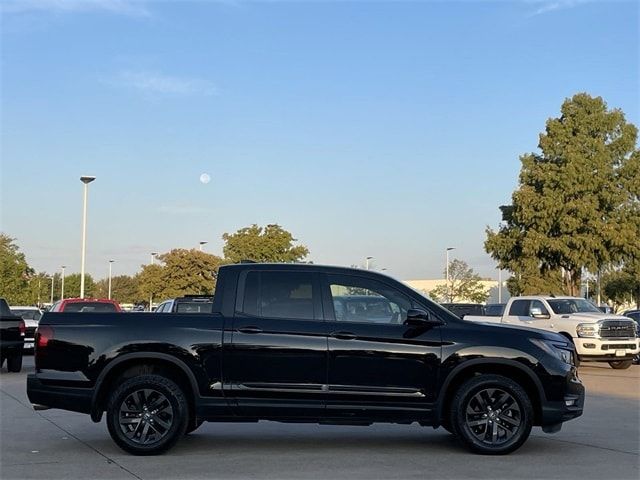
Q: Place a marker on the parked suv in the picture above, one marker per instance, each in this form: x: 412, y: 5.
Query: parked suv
x: 187, y: 304
x: 31, y: 317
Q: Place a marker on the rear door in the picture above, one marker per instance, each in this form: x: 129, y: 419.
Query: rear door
x: 379, y: 367
x: 277, y: 366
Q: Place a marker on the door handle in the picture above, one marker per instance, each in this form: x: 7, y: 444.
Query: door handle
x: 250, y: 330
x: 343, y: 335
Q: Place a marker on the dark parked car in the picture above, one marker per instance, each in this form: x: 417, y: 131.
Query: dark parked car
x: 494, y: 309
x: 12, y: 332
x: 187, y: 304
x: 462, y: 309
x: 275, y: 347
x: 635, y: 315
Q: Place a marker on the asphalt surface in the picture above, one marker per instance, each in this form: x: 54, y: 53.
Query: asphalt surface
x: 53, y: 444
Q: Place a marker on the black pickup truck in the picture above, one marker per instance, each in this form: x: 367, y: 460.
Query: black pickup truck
x: 12, y: 332
x: 277, y: 347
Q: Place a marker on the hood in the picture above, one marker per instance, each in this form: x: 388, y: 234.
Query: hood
x: 592, y: 317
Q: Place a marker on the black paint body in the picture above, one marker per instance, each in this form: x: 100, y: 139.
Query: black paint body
x: 239, y: 368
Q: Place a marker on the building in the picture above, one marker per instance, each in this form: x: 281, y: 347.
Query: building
x: 491, y: 286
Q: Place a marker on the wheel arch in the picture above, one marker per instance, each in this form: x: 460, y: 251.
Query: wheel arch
x: 507, y: 368
x: 132, y: 364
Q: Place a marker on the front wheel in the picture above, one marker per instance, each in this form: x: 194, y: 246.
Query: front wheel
x: 147, y: 414
x: 621, y: 364
x: 491, y: 414
x: 14, y: 364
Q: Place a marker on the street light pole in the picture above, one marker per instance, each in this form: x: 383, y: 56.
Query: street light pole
x: 153, y: 257
x: 202, y: 244
x: 367, y: 261
x: 86, y: 180
x: 62, y: 286
x: 447, y: 274
x: 499, y: 285
x: 110, y: 263
x: 52, y: 281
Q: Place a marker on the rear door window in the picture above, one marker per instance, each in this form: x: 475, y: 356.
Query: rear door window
x: 280, y: 294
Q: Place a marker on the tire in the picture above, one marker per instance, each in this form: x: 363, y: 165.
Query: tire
x: 621, y: 364
x: 193, y: 425
x: 147, y: 414
x: 491, y: 415
x: 14, y: 364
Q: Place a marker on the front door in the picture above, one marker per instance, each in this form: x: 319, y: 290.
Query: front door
x: 277, y: 366
x: 379, y: 367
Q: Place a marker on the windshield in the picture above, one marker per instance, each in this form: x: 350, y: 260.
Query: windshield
x: 27, y: 314
x: 572, y: 305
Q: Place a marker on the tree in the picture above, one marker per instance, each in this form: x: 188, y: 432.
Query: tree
x: 464, y: 285
x: 262, y: 244
x: 622, y: 286
x: 124, y: 289
x: 180, y: 272
x: 578, y: 202
x: 14, y: 272
x: 72, y: 286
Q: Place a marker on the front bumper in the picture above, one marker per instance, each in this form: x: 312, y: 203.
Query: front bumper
x: 66, y: 398
x: 554, y: 412
x: 602, y: 349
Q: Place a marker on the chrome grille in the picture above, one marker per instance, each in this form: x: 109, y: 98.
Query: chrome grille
x: 617, y: 329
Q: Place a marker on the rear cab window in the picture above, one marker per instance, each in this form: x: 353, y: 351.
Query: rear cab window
x: 280, y: 295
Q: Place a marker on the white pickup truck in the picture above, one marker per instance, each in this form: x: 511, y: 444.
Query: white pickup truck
x: 598, y: 337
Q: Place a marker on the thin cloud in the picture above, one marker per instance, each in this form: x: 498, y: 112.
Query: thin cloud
x: 134, y: 8
x: 156, y: 83
x: 548, y: 7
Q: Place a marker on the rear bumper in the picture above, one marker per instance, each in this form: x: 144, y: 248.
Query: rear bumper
x: 66, y: 398
x: 12, y: 348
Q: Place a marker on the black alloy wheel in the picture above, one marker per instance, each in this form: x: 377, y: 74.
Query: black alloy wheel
x: 491, y: 414
x: 147, y: 414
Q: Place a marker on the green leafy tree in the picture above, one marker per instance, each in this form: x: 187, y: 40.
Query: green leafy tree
x: 464, y: 285
x: 577, y: 205
x: 72, y: 286
x: 188, y: 272
x: 150, y: 283
x: 622, y: 286
x: 124, y: 289
x: 14, y: 272
x: 179, y: 272
x: 263, y: 244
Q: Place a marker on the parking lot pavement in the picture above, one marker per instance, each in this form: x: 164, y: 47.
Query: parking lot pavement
x: 603, y: 443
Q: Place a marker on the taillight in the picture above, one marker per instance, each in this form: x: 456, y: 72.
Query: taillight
x: 22, y: 327
x: 43, y: 335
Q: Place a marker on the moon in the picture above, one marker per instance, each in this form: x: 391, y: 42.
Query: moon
x: 205, y: 178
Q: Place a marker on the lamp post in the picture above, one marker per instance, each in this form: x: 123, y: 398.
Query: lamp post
x: 86, y: 180
x: 202, y: 244
x: 52, y: 282
x: 499, y: 285
x: 110, y: 263
x: 367, y: 262
x: 447, y: 274
x: 153, y: 257
x: 62, y: 286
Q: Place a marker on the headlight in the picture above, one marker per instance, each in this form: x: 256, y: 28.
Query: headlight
x: 562, y: 351
x: 587, y: 330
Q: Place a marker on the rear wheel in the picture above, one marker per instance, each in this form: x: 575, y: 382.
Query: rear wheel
x: 491, y: 414
x: 147, y: 414
x: 14, y: 364
x: 621, y: 364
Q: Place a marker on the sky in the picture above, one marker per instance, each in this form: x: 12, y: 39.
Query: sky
x: 390, y: 129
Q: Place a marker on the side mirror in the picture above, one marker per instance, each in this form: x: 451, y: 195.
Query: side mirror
x: 537, y: 313
x: 417, y: 317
